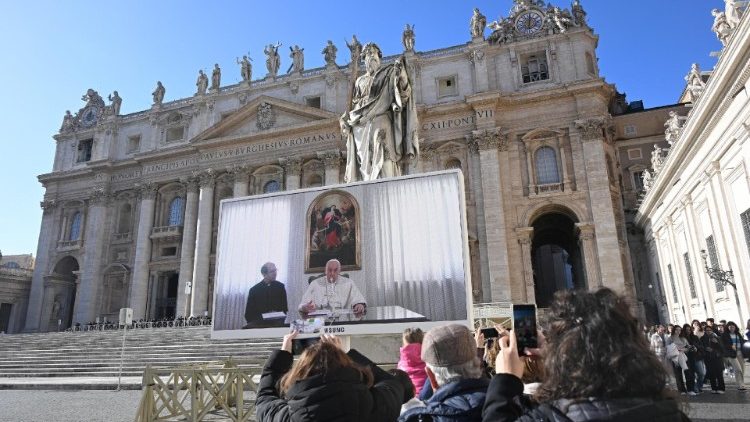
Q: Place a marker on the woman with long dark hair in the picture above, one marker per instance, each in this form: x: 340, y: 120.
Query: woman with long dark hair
x: 326, y: 384
x: 597, y: 366
x: 732, y: 340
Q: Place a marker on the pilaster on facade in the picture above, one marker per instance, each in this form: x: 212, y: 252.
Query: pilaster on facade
x: 239, y: 176
x: 91, y: 270
x: 187, y: 248
x: 204, y: 234
x: 525, y: 235
x: 587, y: 244
x: 139, y: 286
x: 42, y: 265
x: 292, y: 170
x: 332, y: 164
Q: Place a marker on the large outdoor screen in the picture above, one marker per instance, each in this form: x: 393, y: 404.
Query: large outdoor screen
x: 401, y: 244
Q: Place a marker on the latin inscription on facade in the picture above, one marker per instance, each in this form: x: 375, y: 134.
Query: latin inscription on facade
x: 458, y: 122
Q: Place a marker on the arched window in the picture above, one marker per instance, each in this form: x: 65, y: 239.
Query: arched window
x: 12, y: 265
x: 175, y: 211
x: 272, y: 186
x: 546, y: 166
x: 123, y: 225
x: 453, y: 163
x: 75, y: 227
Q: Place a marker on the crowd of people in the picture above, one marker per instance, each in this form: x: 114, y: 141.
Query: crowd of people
x: 180, y: 321
x: 702, y: 353
x: 593, y: 363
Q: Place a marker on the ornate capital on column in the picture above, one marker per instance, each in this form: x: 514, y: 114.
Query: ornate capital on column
x: 147, y: 190
x: 585, y: 231
x: 488, y: 139
x: 330, y: 158
x: 190, y: 183
x: 48, y: 205
x: 237, y: 172
x: 427, y: 152
x: 524, y: 235
x: 99, y: 196
x: 206, y: 178
x: 292, y: 165
x: 593, y: 128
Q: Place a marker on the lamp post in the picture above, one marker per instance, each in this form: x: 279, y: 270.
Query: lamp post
x: 723, y: 277
x: 659, y: 299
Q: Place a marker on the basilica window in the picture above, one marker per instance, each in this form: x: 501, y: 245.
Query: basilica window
x: 272, y: 186
x: 671, y: 282
x: 313, y: 101
x: 175, y: 211
x: 745, y: 219
x: 546, y: 166
x: 447, y: 86
x: 12, y: 265
x: 75, y: 227
x: 134, y: 144
x: 84, y: 150
x: 638, y: 181
x: 534, y: 68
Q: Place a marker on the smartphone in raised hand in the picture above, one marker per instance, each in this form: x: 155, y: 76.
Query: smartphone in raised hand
x: 525, y: 327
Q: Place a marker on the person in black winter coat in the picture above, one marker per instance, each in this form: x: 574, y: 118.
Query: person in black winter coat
x: 714, y: 358
x: 597, y: 366
x: 326, y: 384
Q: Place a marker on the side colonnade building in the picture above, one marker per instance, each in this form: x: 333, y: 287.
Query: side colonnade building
x: 696, y: 211
x: 131, y: 205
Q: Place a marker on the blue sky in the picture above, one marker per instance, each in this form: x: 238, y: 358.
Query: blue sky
x: 55, y: 50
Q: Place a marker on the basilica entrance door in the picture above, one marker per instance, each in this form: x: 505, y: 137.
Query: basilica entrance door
x: 166, y: 295
x: 555, y: 257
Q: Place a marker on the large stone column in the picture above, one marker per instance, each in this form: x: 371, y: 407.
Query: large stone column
x: 488, y: 143
x: 46, y: 245
x: 292, y: 171
x: 590, y: 257
x: 240, y: 175
x: 199, y: 303
x: 139, y: 286
x: 600, y: 200
x: 93, y: 245
x: 524, y: 238
x: 332, y: 162
x: 187, y: 249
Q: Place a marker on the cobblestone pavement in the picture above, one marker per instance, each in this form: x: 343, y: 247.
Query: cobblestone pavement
x: 114, y: 406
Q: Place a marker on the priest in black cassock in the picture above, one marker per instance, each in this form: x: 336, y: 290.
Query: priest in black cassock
x: 269, y: 295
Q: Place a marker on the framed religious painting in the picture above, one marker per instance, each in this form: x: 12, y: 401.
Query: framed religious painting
x: 332, y: 232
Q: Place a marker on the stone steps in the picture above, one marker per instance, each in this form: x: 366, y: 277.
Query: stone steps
x: 96, y: 354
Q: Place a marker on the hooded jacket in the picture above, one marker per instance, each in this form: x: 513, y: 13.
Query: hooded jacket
x: 505, y: 402
x: 411, y: 362
x: 457, y: 401
x: 338, y: 396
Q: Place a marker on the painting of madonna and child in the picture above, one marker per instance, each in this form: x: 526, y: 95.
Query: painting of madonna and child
x: 362, y: 258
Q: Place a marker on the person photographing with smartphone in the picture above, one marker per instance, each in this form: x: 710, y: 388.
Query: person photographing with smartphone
x: 589, y: 335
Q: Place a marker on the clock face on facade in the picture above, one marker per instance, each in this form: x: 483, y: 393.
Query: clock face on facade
x: 529, y: 22
x: 89, y: 117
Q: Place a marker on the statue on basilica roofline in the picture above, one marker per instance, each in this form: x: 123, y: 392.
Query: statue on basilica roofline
x: 355, y: 48
x: 721, y: 27
x: 579, y: 15
x: 381, y: 124
x: 329, y: 54
x: 246, y: 69
x: 407, y: 38
x: 216, y: 78
x: 558, y: 20
x: 733, y: 12
x: 69, y: 123
x: 273, y: 61
x: 477, y: 24
x: 298, y: 59
x: 158, y: 93
x: 116, y: 101
x: 648, y: 180
x: 695, y: 84
x: 201, y: 83
x: 657, y: 160
x: 673, y: 127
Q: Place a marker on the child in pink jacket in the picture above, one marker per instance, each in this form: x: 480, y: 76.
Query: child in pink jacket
x: 410, y: 360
